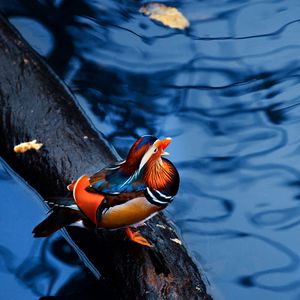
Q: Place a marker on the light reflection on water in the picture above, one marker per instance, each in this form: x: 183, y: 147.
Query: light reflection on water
x: 227, y: 90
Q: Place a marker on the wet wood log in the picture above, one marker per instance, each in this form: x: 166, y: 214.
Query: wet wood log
x: 35, y: 104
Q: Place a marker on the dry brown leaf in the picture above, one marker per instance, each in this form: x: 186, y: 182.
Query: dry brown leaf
x: 23, y: 147
x: 169, y: 16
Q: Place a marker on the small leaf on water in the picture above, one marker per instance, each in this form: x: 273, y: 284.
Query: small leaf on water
x: 23, y: 147
x: 169, y: 16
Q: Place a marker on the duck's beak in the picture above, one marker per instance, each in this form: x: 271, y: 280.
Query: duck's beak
x: 164, y: 144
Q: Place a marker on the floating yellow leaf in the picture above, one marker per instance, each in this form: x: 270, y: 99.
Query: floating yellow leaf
x: 23, y: 147
x: 169, y: 16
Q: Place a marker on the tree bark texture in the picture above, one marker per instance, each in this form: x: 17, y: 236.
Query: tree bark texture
x: 35, y: 104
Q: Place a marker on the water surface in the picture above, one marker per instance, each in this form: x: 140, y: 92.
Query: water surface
x: 227, y: 90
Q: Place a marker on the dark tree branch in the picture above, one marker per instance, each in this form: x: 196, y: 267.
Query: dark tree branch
x: 34, y: 104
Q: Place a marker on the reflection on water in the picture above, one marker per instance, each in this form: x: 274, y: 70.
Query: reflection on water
x: 33, y: 268
x: 227, y: 90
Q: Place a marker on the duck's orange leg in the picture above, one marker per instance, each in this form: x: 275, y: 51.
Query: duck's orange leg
x: 137, y: 237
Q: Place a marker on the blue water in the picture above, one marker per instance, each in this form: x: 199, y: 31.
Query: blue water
x: 31, y: 268
x: 227, y: 90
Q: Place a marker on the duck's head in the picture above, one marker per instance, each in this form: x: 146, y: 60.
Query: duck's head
x: 147, y: 149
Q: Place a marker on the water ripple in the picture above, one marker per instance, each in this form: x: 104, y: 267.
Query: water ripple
x: 227, y: 90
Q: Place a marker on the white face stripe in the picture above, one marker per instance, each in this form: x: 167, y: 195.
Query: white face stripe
x: 148, y: 154
x: 163, y: 195
x: 155, y: 199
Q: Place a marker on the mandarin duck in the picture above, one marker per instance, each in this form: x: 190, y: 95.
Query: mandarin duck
x: 122, y: 195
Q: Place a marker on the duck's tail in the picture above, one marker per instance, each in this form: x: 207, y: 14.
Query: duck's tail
x: 64, y: 212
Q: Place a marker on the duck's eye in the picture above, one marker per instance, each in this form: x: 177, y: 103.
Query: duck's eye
x: 155, y: 150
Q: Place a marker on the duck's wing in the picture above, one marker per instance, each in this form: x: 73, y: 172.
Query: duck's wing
x: 114, y: 180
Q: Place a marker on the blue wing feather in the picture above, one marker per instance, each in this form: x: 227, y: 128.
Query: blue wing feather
x: 113, y: 179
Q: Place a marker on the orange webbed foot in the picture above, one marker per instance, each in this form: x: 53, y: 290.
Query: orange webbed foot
x: 137, y: 238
